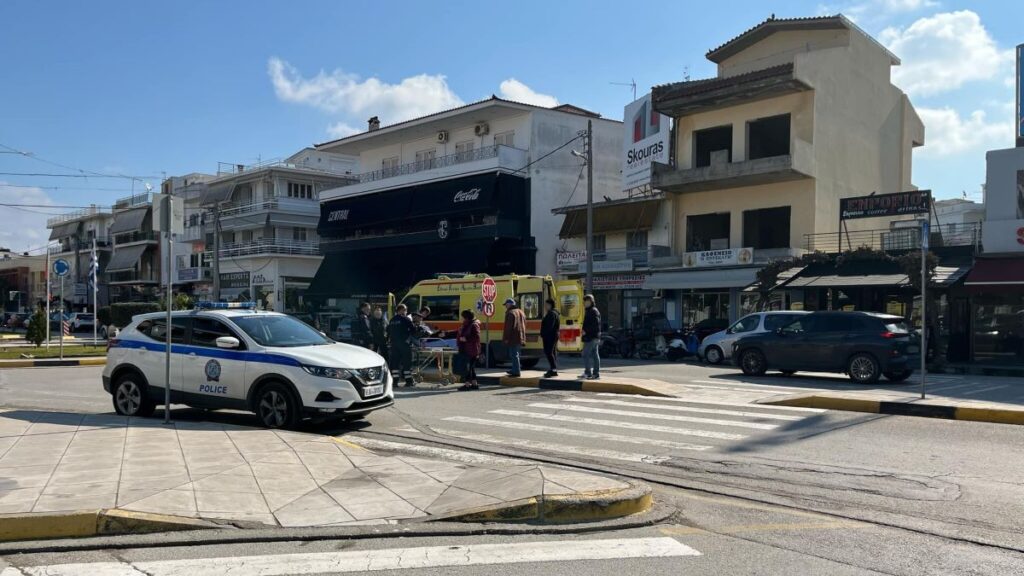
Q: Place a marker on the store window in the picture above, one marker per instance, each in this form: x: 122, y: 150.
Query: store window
x: 704, y: 306
x: 766, y: 228
x: 998, y: 326
x: 707, y: 232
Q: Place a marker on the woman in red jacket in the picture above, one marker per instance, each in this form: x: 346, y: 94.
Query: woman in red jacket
x: 468, y: 339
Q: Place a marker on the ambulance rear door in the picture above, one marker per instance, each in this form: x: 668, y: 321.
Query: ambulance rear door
x: 570, y: 306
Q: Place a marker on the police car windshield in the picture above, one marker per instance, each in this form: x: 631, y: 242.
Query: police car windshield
x: 282, y: 331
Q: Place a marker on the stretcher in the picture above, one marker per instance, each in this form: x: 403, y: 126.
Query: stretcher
x: 433, y: 354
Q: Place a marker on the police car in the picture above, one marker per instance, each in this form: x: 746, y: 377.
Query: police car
x: 232, y: 356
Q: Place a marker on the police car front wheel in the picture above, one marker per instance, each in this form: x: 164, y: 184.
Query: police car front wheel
x: 276, y: 407
x: 130, y: 398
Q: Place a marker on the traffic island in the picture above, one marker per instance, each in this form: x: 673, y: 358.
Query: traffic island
x: 934, y: 407
x: 52, y: 362
x: 77, y: 475
x: 613, y: 385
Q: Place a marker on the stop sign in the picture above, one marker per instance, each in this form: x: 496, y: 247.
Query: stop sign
x: 489, y: 290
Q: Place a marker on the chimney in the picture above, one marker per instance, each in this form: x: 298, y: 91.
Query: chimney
x: 374, y: 124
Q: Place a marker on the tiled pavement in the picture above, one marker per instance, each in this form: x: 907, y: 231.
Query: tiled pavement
x: 60, y: 462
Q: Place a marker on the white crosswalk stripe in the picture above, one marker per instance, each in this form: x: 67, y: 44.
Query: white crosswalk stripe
x: 699, y: 410
x: 715, y: 402
x: 553, y: 447
x: 621, y: 424
x: 652, y: 416
x: 397, y: 559
x: 579, y: 433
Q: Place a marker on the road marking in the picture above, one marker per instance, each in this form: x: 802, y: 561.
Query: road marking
x: 689, y: 409
x: 716, y: 403
x: 742, y: 528
x: 581, y: 433
x: 621, y: 424
x: 988, y: 389
x: 755, y: 387
x: 438, y: 453
x: 549, y: 447
x: 380, y: 560
x: 651, y: 416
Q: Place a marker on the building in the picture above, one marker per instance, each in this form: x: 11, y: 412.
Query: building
x: 801, y: 114
x: 71, y: 237
x: 469, y: 189
x: 262, y: 223
x: 22, y: 281
x: 134, y: 270
x: 192, y: 268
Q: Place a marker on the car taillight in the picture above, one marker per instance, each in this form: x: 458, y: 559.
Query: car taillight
x: 889, y: 335
x: 112, y: 342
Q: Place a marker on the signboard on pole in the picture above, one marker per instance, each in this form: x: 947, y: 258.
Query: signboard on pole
x: 488, y: 309
x: 489, y: 292
x: 646, y: 141
x: 61, y: 267
x: 876, y: 205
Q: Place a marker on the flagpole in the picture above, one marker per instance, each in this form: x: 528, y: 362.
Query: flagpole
x: 47, y: 320
x: 93, y: 274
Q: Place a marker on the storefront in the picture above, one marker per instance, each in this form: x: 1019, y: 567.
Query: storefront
x: 996, y: 286
x: 709, y: 289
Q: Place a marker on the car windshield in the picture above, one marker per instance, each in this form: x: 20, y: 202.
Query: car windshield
x: 282, y: 331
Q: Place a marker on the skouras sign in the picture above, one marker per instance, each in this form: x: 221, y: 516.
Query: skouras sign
x: 646, y: 141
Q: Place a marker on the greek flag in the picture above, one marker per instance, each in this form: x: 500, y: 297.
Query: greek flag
x: 94, y: 269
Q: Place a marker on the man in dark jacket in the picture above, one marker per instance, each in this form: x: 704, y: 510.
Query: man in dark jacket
x: 378, y: 331
x: 514, y: 335
x: 591, y: 339
x: 400, y: 332
x: 361, y: 335
x: 549, y: 326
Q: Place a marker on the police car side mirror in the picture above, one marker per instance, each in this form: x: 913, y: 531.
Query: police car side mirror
x: 227, y: 342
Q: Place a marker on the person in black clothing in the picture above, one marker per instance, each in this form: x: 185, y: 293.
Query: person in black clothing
x: 549, y: 335
x: 591, y: 339
x: 400, y: 332
x: 378, y: 332
x: 361, y: 334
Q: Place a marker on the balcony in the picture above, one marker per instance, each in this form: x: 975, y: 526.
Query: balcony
x: 270, y: 247
x: 194, y: 274
x: 723, y: 174
x: 102, y: 243
x: 192, y: 234
x: 134, y: 201
x: 137, y: 236
x: 477, y: 160
x: 622, y: 260
x: 894, y: 239
x: 76, y: 215
x: 281, y: 211
x: 133, y: 277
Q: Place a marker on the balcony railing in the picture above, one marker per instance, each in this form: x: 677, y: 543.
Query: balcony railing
x: 83, y: 213
x: 133, y: 201
x: 85, y: 246
x: 137, y: 236
x: 620, y: 259
x: 235, y: 209
x: 894, y: 239
x: 270, y: 247
x: 227, y: 168
x: 439, y: 162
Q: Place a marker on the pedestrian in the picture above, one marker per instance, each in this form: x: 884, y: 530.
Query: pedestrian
x: 549, y: 326
x: 400, y: 333
x: 468, y: 340
x: 514, y: 335
x: 361, y: 334
x: 378, y: 332
x: 591, y: 339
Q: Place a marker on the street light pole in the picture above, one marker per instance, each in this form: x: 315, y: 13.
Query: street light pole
x: 590, y: 206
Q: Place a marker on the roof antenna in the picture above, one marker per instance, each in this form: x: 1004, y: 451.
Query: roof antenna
x: 631, y: 83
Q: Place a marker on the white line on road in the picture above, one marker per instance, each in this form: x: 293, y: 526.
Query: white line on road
x: 379, y: 560
x: 549, y: 447
x: 649, y: 415
x: 986, y: 389
x: 715, y: 402
x: 753, y: 386
x: 785, y: 417
x: 580, y: 433
x: 621, y: 424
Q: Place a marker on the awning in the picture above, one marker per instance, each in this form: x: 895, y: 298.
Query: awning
x: 701, y: 279
x: 842, y: 280
x: 949, y: 275
x: 129, y: 220
x: 62, y: 230
x: 997, y: 272
x: 780, y: 281
x: 216, y: 194
x: 616, y: 218
x: 285, y: 219
x: 125, y: 258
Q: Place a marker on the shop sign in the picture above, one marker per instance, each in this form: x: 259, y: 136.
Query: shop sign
x: 1003, y: 236
x: 569, y: 261
x: 646, y: 141
x: 234, y: 280
x: 897, y: 204
x: 620, y: 282
x: 188, y: 274
x: 727, y: 257
x: 612, y: 265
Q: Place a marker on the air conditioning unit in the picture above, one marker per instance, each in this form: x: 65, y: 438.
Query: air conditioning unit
x: 482, y: 129
x: 442, y: 136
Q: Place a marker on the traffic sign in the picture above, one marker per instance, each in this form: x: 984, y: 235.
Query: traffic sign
x: 489, y: 291
x: 489, y: 309
x: 61, y: 267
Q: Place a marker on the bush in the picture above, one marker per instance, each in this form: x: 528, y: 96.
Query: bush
x: 121, y: 312
x: 103, y: 316
x: 36, y: 332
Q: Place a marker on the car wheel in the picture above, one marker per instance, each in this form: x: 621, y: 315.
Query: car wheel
x: 753, y: 363
x: 898, y: 376
x: 130, y: 397
x: 714, y: 355
x: 863, y: 369
x: 788, y: 372
x: 276, y: 408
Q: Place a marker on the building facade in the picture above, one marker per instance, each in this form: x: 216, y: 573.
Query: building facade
x: 71, y: 237
x: 134, y: 271
x: 22, y: 281
x: 192, y: 272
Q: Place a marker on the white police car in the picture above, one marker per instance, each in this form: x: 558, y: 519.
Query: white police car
x: 235, y: 357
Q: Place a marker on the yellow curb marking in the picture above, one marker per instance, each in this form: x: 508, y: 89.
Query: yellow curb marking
x: 349, y: 444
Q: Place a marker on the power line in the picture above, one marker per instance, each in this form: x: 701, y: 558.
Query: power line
x: 575, y: 138
x: 59, y: 165
x: 87, y: 188
x: 51, y: 175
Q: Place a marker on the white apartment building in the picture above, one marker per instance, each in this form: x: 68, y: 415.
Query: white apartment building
x: 71, y: 237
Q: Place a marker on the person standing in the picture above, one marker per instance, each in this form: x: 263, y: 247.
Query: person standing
x: 400, y: 332
x: 378, y: 332
x: 468, y: 339
x: 591, y: 339
x: 549, y: 326
x: 514, y: 335
x: 361, y: 334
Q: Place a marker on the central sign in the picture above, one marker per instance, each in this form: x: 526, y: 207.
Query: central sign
x: 876, y: 205
x: 645, y: 141
x: 727, y: 257
x: 488, y: 290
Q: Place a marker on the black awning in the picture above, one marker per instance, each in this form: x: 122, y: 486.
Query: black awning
x: 617, y: 218
x: 129, y: 220
x: 125, y: 258
x: 62, y: 230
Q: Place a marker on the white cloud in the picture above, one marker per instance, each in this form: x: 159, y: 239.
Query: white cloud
x: 24, y: 228
x: 874, y: 10
x: 948, y: 134
x: 943, y: 52
x: 516, y: 91
x: 341, y: 130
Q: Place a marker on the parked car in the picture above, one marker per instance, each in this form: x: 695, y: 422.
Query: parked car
x: 709, y: 326
x: 717, y: 347
x: 81, y: 321
x: 864, y: 345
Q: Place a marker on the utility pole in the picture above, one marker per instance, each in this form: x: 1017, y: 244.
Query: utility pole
x: 48, y: 278
x: 216, y: 252
x: 590, y: 206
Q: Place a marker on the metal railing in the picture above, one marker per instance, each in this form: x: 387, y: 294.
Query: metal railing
x: 85, y: 245
x: 227, y: 168
x: 270, y: 246
x: 894, y: 239
x: 439, y: 162
x: 235, y: 209
x: 136, y: 236
x: 83, y: 213
x: 133, y: 200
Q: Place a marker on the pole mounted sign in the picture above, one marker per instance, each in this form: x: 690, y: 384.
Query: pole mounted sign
x: 61, y: 267
x: 489, y: 291
x: 876, y: 205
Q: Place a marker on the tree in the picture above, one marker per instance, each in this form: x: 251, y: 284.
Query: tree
x: 36, y: 332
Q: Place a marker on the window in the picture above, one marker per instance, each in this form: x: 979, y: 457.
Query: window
x: 299, y: 234
x: 229, y: 238
x: 282, y: 331
x: 745, y: 324
x: 425, y: 159
x: 711, y: 140
x: 412, y: 302
x: 707, y: 232
x: 599, y: 242
x: 799, y: 326
x: 193, y: 220
x: 768, y: 137
x: 304, y: 191
x: 568, y: 304
x: 505, y: 138
x: 464, y: 150
x: 836, y: 323
x: 157, y: 329
x: 773, y: 322
x: 389, y: 166
x: 766, y: 228
x: 246, y: 235
x: 442, y: 307
x: 205, y: 332
x: 636, y: 240
x: 530, y: 303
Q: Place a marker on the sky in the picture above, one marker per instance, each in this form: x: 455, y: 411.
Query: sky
x: 148, y: 89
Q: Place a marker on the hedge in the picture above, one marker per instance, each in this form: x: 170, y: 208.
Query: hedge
x: 121, y: 312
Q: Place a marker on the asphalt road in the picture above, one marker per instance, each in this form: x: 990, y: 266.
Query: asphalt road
x: 758, y: 490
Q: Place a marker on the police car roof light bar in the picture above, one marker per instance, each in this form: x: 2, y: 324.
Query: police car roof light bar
x: 225, y: 305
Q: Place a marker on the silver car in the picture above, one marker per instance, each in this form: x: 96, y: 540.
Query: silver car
x: 717, y: 347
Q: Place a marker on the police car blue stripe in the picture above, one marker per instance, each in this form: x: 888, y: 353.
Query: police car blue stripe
x: 260, y: 357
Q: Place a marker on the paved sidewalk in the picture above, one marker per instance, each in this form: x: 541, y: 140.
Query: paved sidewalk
x: 52, y: 462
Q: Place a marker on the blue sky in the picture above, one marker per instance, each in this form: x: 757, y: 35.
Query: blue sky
x: 147, y: 88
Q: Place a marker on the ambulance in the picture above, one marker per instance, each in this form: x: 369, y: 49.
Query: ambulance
x: 447, y: 296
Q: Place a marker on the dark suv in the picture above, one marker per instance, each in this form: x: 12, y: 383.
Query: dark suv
x: 864, y: 345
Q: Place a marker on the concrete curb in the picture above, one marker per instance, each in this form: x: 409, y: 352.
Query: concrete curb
x: 85, y: 523
x: 606, y: 386
x: 944, y: 411
x: 561, y: 508
x: 44, y: 362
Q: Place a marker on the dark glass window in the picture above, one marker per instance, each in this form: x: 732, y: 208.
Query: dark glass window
x: 707, y: 232
x: 442, y: 307
x: 766, y: 228
x: 205, y: 332
x: 768, y: 137
x: 157, y: 329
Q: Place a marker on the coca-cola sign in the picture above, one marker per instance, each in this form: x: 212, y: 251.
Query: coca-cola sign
x: 466, y: 195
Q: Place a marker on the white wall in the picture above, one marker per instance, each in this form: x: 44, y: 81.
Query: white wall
x: 1003, y: 200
